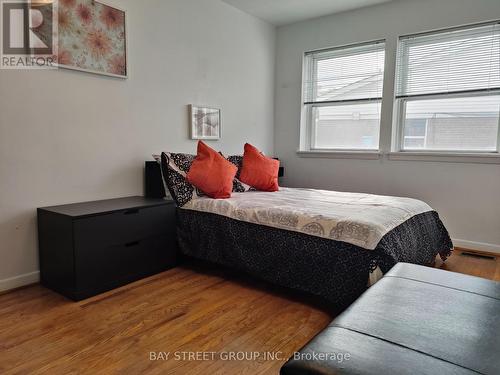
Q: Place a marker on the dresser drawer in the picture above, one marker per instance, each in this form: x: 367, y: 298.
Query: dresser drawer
x: 123, y: 227
x: 88, y: 248
x: 107, y: 267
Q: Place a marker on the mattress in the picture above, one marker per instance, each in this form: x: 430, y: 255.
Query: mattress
x: 358, y: 219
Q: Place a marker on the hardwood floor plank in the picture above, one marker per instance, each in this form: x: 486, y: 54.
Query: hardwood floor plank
x: 192, y: 308
x: 470, y: 265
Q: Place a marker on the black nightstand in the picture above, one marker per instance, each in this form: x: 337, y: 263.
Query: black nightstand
x: 88, y: 248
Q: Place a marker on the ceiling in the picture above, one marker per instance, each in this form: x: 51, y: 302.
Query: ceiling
x: 282, y: 12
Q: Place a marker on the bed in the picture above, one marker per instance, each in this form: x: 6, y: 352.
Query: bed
x: 326, y: 243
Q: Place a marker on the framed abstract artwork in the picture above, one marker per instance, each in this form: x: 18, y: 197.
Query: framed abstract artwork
x: 205, y: 122
x: 92, y: 37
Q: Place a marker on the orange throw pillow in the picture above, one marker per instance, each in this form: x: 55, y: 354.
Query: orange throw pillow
x: 259, y: 171
x: 212, y: 173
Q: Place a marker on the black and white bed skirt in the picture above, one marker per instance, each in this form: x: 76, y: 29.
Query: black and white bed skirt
x: 334, y: 270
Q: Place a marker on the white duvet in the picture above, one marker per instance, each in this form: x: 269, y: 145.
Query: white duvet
x: 358, y: 219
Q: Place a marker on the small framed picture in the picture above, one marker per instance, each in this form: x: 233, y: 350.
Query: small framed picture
x: 205, y: 122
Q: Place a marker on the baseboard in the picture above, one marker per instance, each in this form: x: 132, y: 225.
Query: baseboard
x: 478, y: 246
x: 18, y: 281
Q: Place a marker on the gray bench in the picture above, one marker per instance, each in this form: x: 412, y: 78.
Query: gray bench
x: 416, y: 320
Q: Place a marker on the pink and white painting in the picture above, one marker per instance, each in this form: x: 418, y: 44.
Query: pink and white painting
x: 92, y: 37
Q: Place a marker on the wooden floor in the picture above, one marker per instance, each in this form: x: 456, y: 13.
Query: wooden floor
x: 187, y: 309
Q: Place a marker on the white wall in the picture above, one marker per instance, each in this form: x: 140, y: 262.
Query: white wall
x: 467, y: 196
x: 67, y: 136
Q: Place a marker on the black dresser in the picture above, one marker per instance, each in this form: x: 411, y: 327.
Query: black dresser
x: 88, y: 248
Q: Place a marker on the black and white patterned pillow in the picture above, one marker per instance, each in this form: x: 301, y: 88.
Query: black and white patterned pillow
x: 174, y: 168
x: 239, y: 186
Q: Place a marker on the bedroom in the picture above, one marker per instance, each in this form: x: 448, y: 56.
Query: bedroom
x: 70, y: 136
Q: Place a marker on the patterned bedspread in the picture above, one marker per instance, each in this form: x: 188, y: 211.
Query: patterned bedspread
x: 358, y: 219
x: 334, y: 270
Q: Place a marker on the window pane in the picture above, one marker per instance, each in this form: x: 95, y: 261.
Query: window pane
x: 350, y: 77
x: 452, y: 124
x: 354, y: 126
x: 443, y: 62
x: 345, y: 73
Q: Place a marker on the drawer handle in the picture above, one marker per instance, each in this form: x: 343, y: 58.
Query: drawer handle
x: 130, y: 244
x: 131, y: 211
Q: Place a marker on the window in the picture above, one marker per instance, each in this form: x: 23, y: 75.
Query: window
x: 342, y: 98
x: 448, y: 90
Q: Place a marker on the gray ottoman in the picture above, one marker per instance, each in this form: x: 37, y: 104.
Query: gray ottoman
x: 416, y: 320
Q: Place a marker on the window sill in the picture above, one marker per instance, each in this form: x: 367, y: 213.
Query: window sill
x: 486, y: 158
x: 338, y: 154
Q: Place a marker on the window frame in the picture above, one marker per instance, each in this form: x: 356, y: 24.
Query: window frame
x: 391, y: 129
x: 307, y: 128
x: 313, y: 129
x: 399, y: 103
